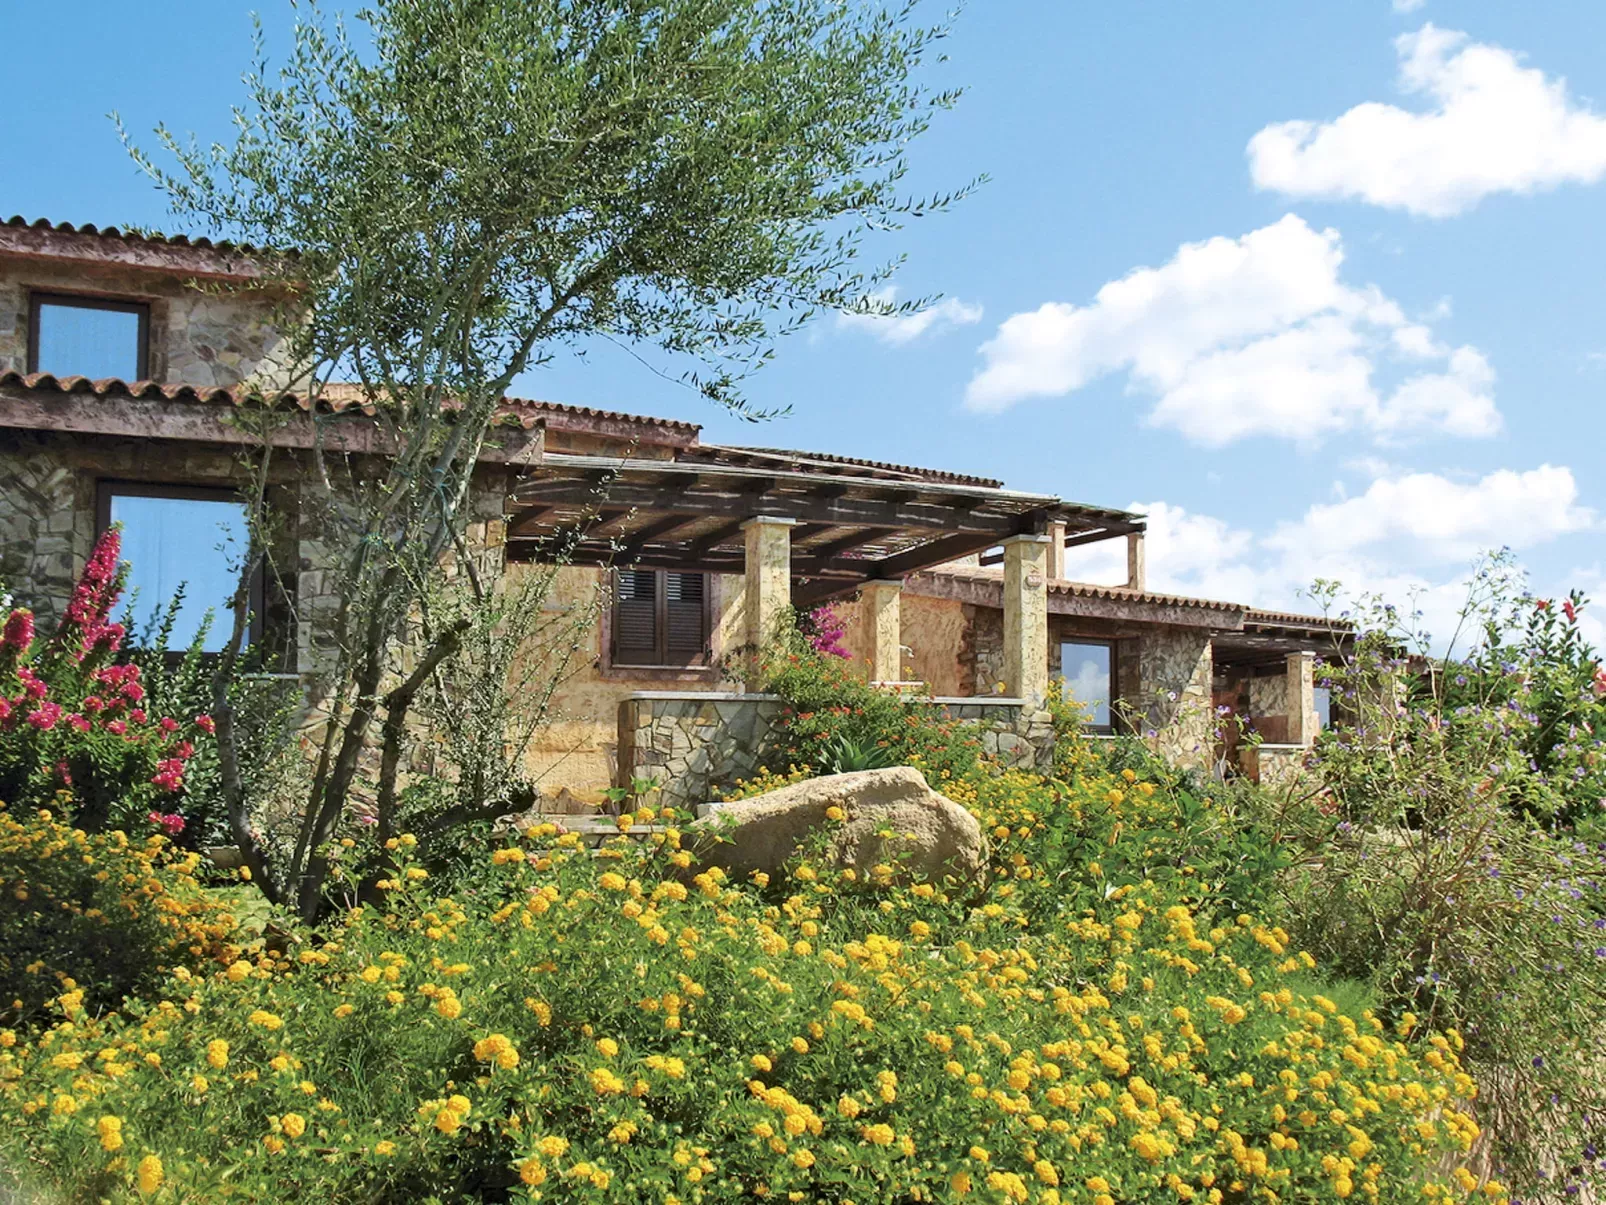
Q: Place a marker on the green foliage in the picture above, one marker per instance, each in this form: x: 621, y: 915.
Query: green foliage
x: 97, y: 914
x: 616, y: 1027
x: 1436, y: 864
x: 834, y: 719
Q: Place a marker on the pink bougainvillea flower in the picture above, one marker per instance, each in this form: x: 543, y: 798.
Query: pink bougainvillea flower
x: 44, y: 717
x: 17, y: 634
x: 137, y: 716
x: 1600, y: 682
x: 169, y: 774
x: 167, y: 724
x: 33, y: 685
x: 116, y: 727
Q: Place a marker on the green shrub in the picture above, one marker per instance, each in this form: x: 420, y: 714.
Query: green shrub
x: 830, y: 711
x: 97, y: 914
x: 616, y: 1027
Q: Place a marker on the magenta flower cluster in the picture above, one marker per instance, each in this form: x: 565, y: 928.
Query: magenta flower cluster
x: 62, y: 698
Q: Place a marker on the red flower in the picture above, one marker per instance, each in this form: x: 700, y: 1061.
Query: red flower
x: 18, y: 631
x: 206, y: 724
x: 45, y: 716
x: 169, y: 775
x: 137, y: 715
x: 116, y: 727
x: 1570, y: 610
x: 167, y: 724
x: 1542, y: 605
x: 79, y: 723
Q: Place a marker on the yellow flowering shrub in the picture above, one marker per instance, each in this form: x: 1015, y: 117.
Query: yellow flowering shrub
x: 620, y: 1026
x: 100, y: 913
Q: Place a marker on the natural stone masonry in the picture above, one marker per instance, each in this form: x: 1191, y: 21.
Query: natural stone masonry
x: 693, y: 743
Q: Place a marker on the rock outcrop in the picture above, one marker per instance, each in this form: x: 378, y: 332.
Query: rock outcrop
x: 887, y: 818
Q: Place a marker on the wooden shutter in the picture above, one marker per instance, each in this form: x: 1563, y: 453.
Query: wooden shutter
x: 685, y: 610
x: 635, y: 618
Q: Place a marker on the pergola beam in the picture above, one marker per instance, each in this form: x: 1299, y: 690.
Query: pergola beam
x: 746, y: 504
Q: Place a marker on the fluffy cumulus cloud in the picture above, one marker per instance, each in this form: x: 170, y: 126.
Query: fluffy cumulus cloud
x: 1488, y: 125
x: 1258, y: 335
x: 1407, y: 535
x: 1435, y: 519
x: 898, y: 329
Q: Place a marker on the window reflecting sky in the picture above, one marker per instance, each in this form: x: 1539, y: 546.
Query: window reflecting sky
x: 168, y: 541
x: 74, y: 340
x: 1086, y: 670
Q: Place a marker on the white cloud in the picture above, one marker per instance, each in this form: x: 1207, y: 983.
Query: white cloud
x: 1436, y: 520
x: 1413, y: 534
x: 1492, y: 126
x: 1239, y: 337
x: 898, y: 329
x: 1408, y: 6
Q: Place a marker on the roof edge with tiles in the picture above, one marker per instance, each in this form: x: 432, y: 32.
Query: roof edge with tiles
x: 110, y: 246
x: 1251, y: 615
x: 522, y: 412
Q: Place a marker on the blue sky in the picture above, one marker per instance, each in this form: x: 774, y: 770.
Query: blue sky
x: 1364, y: 347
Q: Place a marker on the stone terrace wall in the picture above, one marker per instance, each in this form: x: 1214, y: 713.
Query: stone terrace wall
x: 692, y: 743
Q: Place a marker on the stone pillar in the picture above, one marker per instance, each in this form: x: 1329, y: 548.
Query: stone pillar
x: 883, y: 618
x: 1026, y: 618
x: 1303, y: 723
x: 1136, y: 567
x: 1056, y: 552
x: 768, y: 589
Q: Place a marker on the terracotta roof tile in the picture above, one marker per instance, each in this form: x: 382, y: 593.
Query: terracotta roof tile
x: 1124, y: 594
x: 882, y: 466
x: 18, y: 222
x: 335, y: 398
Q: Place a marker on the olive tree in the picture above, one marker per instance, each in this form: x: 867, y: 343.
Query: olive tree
x: 454, y: 191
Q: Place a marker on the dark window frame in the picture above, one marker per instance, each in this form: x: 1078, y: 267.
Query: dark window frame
x: 1112, y: 646
x: 702, y: 660
x: 84, y: 301
x: 107, y: 489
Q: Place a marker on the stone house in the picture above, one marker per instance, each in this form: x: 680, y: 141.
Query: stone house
x: 127, y: 361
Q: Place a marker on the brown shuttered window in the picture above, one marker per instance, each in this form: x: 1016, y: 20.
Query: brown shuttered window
x: 660, y: 618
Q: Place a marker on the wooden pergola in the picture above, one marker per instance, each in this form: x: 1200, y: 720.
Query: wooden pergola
x: 851, y: 522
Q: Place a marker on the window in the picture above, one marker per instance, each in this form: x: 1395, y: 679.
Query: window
x: 660, y: 618
x: 177, y: 536
x: 1323, y: 696
x: 88, y: 337
x: 1085, y: 668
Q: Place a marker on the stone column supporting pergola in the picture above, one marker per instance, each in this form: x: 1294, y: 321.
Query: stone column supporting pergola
x: 768, y: 586
x: 883, y: 614
x: 1303, y: 723
x: 1137, y: 571
x: 1026, y: 617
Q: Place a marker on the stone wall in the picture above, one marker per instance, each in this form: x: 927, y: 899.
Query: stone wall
x: 1174, y: 704
x: 692, y: 743
x: 198, y: 335
x: 1276, y: 766
x: 577, y: 753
